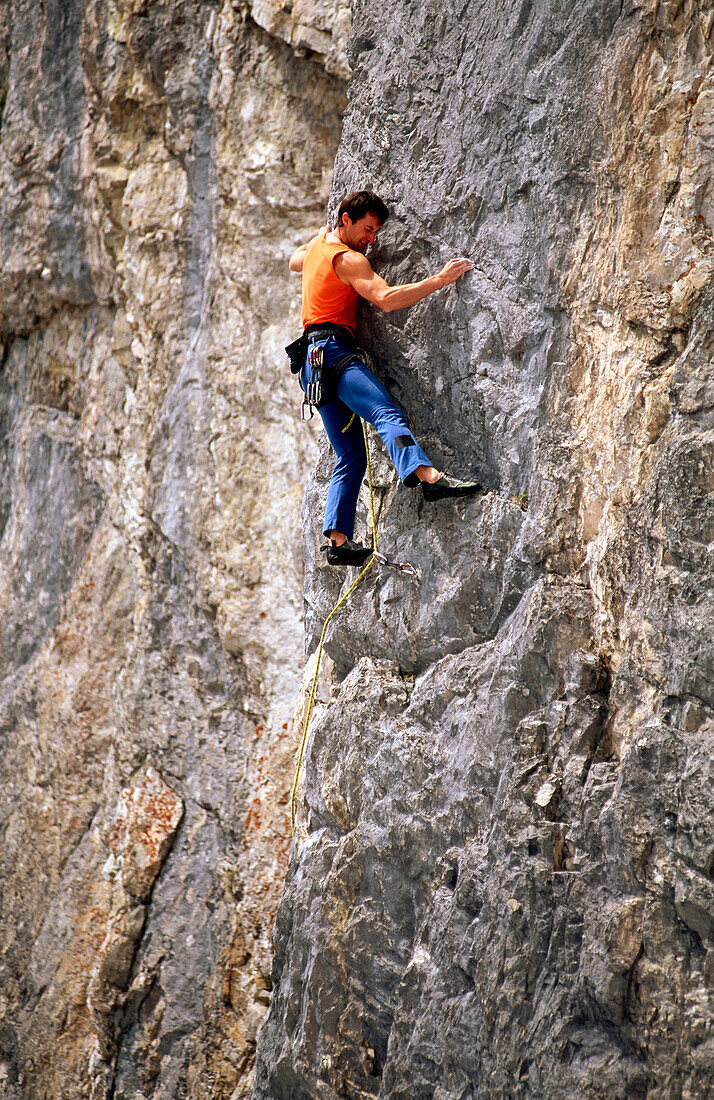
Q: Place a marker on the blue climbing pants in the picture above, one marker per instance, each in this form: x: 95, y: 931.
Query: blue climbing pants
x: 358, y: 391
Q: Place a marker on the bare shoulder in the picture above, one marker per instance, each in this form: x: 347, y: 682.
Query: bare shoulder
x: 351, y: 265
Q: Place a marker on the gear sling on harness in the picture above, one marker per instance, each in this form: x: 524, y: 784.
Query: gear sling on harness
x: 314, y: 396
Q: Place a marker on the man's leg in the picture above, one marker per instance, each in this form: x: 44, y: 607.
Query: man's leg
x: 365, y: 394
x: 361, y: 391
x: 348, y: 445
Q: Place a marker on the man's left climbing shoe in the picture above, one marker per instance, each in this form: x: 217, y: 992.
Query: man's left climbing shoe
x: 448, y: 486
x: 349, y: 553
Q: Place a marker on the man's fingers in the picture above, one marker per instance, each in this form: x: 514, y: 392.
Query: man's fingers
x: 457, y: 267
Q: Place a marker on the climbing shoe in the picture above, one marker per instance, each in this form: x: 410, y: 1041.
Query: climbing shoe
x: 448, y: 486
x: 350, y: 553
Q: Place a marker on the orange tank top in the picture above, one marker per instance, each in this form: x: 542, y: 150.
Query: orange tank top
x: 324, y: 298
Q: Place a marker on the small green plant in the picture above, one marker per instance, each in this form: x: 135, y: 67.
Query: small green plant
x: 521, y: 499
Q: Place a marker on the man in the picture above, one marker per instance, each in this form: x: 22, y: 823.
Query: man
x: 335, y: 274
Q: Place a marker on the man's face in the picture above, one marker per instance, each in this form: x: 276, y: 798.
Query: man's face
x: 362, y: 233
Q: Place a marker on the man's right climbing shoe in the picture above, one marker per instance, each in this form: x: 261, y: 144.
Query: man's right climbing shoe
x: 448, y: 486
x: 350, y: 553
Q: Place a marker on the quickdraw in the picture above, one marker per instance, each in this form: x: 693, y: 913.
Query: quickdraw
x: 402, y: 566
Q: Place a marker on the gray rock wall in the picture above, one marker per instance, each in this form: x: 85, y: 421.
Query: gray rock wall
x: 502, y: 883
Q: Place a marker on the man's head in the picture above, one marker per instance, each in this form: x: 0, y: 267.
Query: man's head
x: 360, y: 217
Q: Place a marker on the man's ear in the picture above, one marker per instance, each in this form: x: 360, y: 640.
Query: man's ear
x: 342, y: 220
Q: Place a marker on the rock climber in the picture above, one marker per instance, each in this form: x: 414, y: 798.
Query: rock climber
x: 335, y: 274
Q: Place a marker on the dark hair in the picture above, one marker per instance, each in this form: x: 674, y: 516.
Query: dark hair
x: 360, y: 203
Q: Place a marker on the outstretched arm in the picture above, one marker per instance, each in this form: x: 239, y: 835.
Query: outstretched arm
x: 298, y: 256
x: 355, y: 269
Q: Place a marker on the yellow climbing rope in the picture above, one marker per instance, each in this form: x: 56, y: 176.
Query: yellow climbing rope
x: 335, y: 609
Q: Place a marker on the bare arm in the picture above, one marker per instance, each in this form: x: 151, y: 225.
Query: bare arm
x: 355, y: 269
x: 298, y: 256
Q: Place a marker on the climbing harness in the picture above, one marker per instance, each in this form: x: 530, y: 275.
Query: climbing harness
x: 321, y: 383
x: 377, y: 556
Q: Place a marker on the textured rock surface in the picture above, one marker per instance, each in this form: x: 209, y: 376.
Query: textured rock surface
x: 157, y: 162
x: 502, y: 885
x: 316, y: 28
x: 503, y: 881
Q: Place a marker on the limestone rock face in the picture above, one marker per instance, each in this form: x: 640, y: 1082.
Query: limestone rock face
x: 315, y: 28
x: 158, y: 164
x: 502, y: 881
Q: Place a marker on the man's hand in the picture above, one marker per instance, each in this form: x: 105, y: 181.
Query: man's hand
x: 454, y: 270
